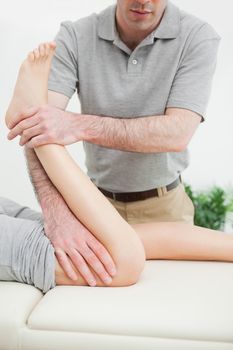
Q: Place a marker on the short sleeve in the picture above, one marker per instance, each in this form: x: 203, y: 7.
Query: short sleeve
x: 192, y: 83
x: 63, y: 76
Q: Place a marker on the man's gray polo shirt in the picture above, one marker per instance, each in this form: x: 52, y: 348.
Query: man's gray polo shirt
x: 172, y: 67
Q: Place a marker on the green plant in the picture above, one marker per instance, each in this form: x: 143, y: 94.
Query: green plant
x: 210, y: 206
x: 229, y: 199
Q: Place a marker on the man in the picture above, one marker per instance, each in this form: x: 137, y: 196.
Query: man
x: 143, y: 72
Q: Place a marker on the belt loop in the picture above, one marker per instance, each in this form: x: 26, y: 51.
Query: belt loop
x: 160, y: 191
x: 114, y: 195
x: 164, y: 190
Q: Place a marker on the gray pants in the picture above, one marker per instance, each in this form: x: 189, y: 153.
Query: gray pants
x: 26, y: 254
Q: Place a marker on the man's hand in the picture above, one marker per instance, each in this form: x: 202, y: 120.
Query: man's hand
x: 42, y: 125
x: 72, y: 241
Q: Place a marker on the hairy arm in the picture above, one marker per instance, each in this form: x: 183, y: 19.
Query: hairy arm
x: 151, y: 134
x: 166, y: 133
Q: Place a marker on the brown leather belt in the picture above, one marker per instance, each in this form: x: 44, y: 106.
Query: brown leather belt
x: 139, y: 196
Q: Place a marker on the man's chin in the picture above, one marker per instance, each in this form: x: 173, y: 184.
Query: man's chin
x: 140, y: 25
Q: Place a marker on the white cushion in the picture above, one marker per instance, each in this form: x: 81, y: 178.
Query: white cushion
x: 17, y: 301
x: 175, y: 305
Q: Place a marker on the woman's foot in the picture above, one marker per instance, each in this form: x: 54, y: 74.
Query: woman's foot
x: 32, y: 83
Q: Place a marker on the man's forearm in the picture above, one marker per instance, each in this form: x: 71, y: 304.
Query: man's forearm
x: 151, y: 134
x: 145, y: 134
x: 46, y: 193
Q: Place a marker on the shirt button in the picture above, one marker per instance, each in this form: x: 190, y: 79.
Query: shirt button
x: 135, y: 61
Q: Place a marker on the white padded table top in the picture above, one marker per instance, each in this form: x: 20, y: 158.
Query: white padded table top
x: 175, y: 305
x: 191, y: 300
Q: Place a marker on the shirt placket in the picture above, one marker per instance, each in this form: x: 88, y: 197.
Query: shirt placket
x: 135, y: 59
x: 134, y: 66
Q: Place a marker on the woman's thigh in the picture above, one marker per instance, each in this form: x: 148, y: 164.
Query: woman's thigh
x: 17, y: 228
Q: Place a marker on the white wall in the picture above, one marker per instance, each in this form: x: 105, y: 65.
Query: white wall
x: 25, y: 23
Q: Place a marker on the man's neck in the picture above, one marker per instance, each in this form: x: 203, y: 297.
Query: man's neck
x: 131, y: 37
x: 132, y: 40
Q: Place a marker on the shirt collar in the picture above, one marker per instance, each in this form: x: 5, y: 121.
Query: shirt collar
x: 168, y: 28
x: 107, y: 24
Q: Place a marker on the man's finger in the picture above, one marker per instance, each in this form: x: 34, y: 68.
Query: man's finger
x: 21, y: 127
x: 96, y: 265
x: 81, y: 265
x: 102, y: 253
x: 28, y: 134
x: 26, y: 113
x: 65, y: 264
x: 37, y: 141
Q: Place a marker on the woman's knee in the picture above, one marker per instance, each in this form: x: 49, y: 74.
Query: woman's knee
x: 130, y: 262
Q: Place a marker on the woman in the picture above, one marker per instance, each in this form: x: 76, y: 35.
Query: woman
x: 29, y: 256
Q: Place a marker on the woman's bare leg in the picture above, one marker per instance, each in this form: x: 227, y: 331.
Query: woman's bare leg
x: 81, y: 195
x: 182, y: 241
x: 176, y: 241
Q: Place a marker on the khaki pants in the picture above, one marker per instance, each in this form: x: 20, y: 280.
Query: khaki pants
x: 174, y: 205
